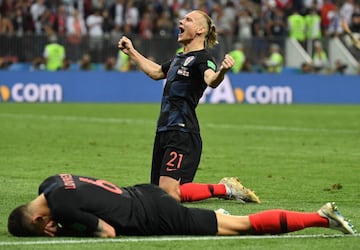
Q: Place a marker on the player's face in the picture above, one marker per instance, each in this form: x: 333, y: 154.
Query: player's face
x: 189, y: 27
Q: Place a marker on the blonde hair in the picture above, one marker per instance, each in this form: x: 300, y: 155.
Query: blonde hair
x: 211, y: 36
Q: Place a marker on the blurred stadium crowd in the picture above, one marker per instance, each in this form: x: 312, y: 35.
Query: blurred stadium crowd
x: 90, y: 29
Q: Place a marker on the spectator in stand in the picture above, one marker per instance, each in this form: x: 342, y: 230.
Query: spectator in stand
x: 4, y: 64
x: 115, y: 36
x: 282, y: 4
x: 25, y: 10
x: 355, y: 23
x: 110, y: 64
x: 251, y: 6
x: 132, y: 16
x: 54, y: 54
x: 354, y: 39
x: 313, y: 28
x: 164, y: 26
x: 122, y: 62
x: 327, y: 7
x: 160, y: 6
x: 320, y: 61
x: 83, y: 6
x: 108, y: 23
x: 339, y: 68
x: 276, y: 26
x: 306, y: 68
x: 7, y: 10
x: 94, y: 24
x: 117, y: 10
x: 86, y: 64
x: 37, y: 9
x: 76, y: 31
x: 353, y: 35
x: 7, y: 6
x: 58, y: 20
x: 274, y: 63
x: 66, y: 64
x: 146, y: 26
x: 175, y: 7
x: 313, y: 4
x: 313, y: 25
x: 6, y: 26
x: 334, y: 29
x: 184, y: 9
x: 347, y: 10
x: 98, y: 4
x: 297, y: 27
x: 21, y: 22
x: 46, y: 25
x: 37, y: 64
x: 244, y: 26
x: 224, y: 26
x: 259, y: 44
x: 239, y: 57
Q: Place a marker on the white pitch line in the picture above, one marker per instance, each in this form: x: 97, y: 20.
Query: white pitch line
x: 75, y: 118
x: 175, y: 238
x: 144, y: 121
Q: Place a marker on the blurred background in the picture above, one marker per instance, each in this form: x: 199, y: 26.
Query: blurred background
x: 305, y: 34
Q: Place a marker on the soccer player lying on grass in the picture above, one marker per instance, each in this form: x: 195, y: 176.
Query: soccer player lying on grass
x: 70, y: 205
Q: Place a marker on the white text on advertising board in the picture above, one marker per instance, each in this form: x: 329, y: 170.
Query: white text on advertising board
x: 252, y: 94
x: 31, y: 92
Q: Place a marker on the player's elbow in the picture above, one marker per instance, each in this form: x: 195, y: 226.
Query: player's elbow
x: 155, y: 75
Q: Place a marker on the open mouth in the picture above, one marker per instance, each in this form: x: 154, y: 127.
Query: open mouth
x: 181, y: 30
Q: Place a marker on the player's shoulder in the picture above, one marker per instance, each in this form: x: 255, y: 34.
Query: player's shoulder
x: 201, y: 54
x: 199, y: 57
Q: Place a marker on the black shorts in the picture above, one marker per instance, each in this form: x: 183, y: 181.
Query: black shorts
x: 170, y: 217
x: 176, y: 154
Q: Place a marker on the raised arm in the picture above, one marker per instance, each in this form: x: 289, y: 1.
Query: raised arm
x: 213, y: 79
x: 152, y: 69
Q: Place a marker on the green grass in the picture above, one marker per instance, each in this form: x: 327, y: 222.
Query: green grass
x: 295, y: 157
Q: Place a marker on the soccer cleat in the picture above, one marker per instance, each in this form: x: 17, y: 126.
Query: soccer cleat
x: 336, y: 219
x: 237, y: 191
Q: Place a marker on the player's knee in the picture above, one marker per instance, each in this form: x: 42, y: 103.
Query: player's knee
x: 175, y: 195
x: 171, y: 187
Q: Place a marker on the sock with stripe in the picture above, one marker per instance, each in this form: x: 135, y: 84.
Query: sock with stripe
x: 197, y: 191
x: 283, y: 221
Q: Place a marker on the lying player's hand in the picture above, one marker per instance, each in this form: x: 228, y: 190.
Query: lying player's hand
x: 51, y: 228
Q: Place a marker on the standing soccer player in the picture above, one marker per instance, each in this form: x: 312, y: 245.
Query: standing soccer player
x: 178, y: 144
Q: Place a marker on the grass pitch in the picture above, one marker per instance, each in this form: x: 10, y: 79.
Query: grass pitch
x: 294, y: 156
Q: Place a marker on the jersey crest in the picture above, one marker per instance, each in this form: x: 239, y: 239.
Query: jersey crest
x: 188, y: 60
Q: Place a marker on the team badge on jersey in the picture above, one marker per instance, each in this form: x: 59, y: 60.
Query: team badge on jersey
x: 188, y: 60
